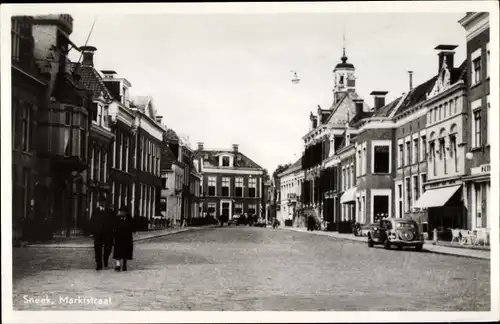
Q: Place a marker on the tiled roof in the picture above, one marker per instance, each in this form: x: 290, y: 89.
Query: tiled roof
x: 357, y: 117
x: 386, y: 110
x: 417, y: 95
x: 211, y: 157
x: 92, y: 81
x: 349, y: 95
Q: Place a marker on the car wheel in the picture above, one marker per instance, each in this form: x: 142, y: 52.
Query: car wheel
x: 370, y: 242
x: 387, y: 245
x: 418, y: 247
x: 400, y: 246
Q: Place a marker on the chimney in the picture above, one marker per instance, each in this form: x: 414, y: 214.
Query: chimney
x: 359, y: 106
x: 445, y: 54
x: 379, y: 99
x: 235, y: 148
x: 200, y: 146
x: 159, y: 118
x: 88, y: 55
x: 410, y: 74
x: 108, y: 74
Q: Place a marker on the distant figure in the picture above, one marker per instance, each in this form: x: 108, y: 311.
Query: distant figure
x: 124, y: 242
x: 311, y: 222
x: 102, y: 224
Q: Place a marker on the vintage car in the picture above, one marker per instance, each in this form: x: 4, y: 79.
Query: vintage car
x: 396, y: 231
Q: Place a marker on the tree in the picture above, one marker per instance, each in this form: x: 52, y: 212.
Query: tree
x: 280, y: 168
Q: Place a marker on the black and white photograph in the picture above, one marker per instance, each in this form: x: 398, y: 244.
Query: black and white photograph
x: 255, y: 162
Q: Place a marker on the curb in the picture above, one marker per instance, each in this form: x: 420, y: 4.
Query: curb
x: 90, y: 245
x: 423, y: 250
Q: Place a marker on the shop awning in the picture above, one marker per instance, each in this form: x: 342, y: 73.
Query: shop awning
x: 436, y: 197
x: 349, y: 196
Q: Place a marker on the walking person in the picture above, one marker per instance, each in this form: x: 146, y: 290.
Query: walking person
x: 102, y: 225
x: 124, y: 242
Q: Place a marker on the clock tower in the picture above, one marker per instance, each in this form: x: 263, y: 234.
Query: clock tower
x: 344, y: 77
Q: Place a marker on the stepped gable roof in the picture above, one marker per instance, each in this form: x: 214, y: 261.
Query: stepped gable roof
x: 92, y: 81
x: 211, y: 159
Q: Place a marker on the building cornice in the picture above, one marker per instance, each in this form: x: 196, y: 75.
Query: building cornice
x: 475, y: 23
x: 233, y: 171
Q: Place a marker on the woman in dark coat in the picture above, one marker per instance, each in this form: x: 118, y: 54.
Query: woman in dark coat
x: 124, y: 243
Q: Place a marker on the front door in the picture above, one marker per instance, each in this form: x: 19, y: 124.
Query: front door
x: 225, y: 210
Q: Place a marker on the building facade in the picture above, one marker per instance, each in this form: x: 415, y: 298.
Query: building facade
x: 231, y: 182
x: 29, y: 88
x: 101, y: 137
x: 291, y: 190
x: 172, y: 174
x: 478, y: 179
x: 63, y: 125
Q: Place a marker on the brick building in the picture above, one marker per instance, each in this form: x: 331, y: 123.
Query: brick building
x: 62, y: 131
x: 291, y: 181
x: 442, y: 194
x: 478, y: 181
x: 29, y: 88
x: 101, y: 136
x: 231, y: 182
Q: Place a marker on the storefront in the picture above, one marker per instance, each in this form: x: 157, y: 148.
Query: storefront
x: 478, y: 186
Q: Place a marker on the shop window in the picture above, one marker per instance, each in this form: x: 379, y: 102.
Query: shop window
x: 238, y: 209
x: 380, y: 207
x: 251, y: 209
x: 381, y: 159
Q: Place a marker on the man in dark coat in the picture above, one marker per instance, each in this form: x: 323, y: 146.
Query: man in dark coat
x: 103, y: 219
x: 124, y: 241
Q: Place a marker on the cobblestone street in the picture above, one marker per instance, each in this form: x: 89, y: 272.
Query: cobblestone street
x: 246, y: 268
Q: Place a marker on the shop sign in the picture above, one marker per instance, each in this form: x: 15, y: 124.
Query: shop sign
x: 485, y: 168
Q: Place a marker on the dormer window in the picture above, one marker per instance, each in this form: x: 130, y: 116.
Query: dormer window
x: 225, y: 161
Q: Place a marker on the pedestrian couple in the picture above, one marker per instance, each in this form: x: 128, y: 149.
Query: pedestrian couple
x: 112, y: 232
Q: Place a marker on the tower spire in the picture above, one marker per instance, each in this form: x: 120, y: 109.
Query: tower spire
x: 344, y: 57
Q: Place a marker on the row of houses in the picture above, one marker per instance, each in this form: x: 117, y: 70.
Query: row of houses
x: 78, y: 133
x: 424, y: 155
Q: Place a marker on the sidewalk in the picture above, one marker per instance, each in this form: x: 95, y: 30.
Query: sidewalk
x: 428, y: 246
x: 87, y: 242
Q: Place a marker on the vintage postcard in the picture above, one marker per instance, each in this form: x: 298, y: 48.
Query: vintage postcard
x: 267, y: 162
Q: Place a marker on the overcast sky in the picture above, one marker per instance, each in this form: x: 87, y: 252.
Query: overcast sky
x: 224, y: 79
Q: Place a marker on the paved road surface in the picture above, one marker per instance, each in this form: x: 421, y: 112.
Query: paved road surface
x: 245, y: 268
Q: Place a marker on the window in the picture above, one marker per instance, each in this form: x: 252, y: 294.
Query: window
x: 251, y: 209
x: 83, y: 137
x: 102, y: 166
x: 211, y: 209
x: 440, y: 112
x: 488, y: 60
x: 416, y: 188
x: 479, y: 205
x: 423, y: 146
x: 381, y: 159
x: 408, y: 194
x: 488, y: 130
x: 476, y: 70
x: 252, y: 187
x: 16, y: 38
x: 429, y: 116
x: 225, y: 161
x: 211, y: 186
x: 363, y: 160
x: 358, y: 163
x: 239, y: 187
x: 435, y: 114
x: 408, y: 153
x: 25, y: 127
x: 423, y: 180
x: 445, y: 109
x: 238, y: 208
x: 476, y: 127
x: 442, y: 153
x: 353, y: 182
x: 415, y: 150
x: 225, y: 187
x: 432, y: 156
x: 401, y: 161
x: 453, y: 147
